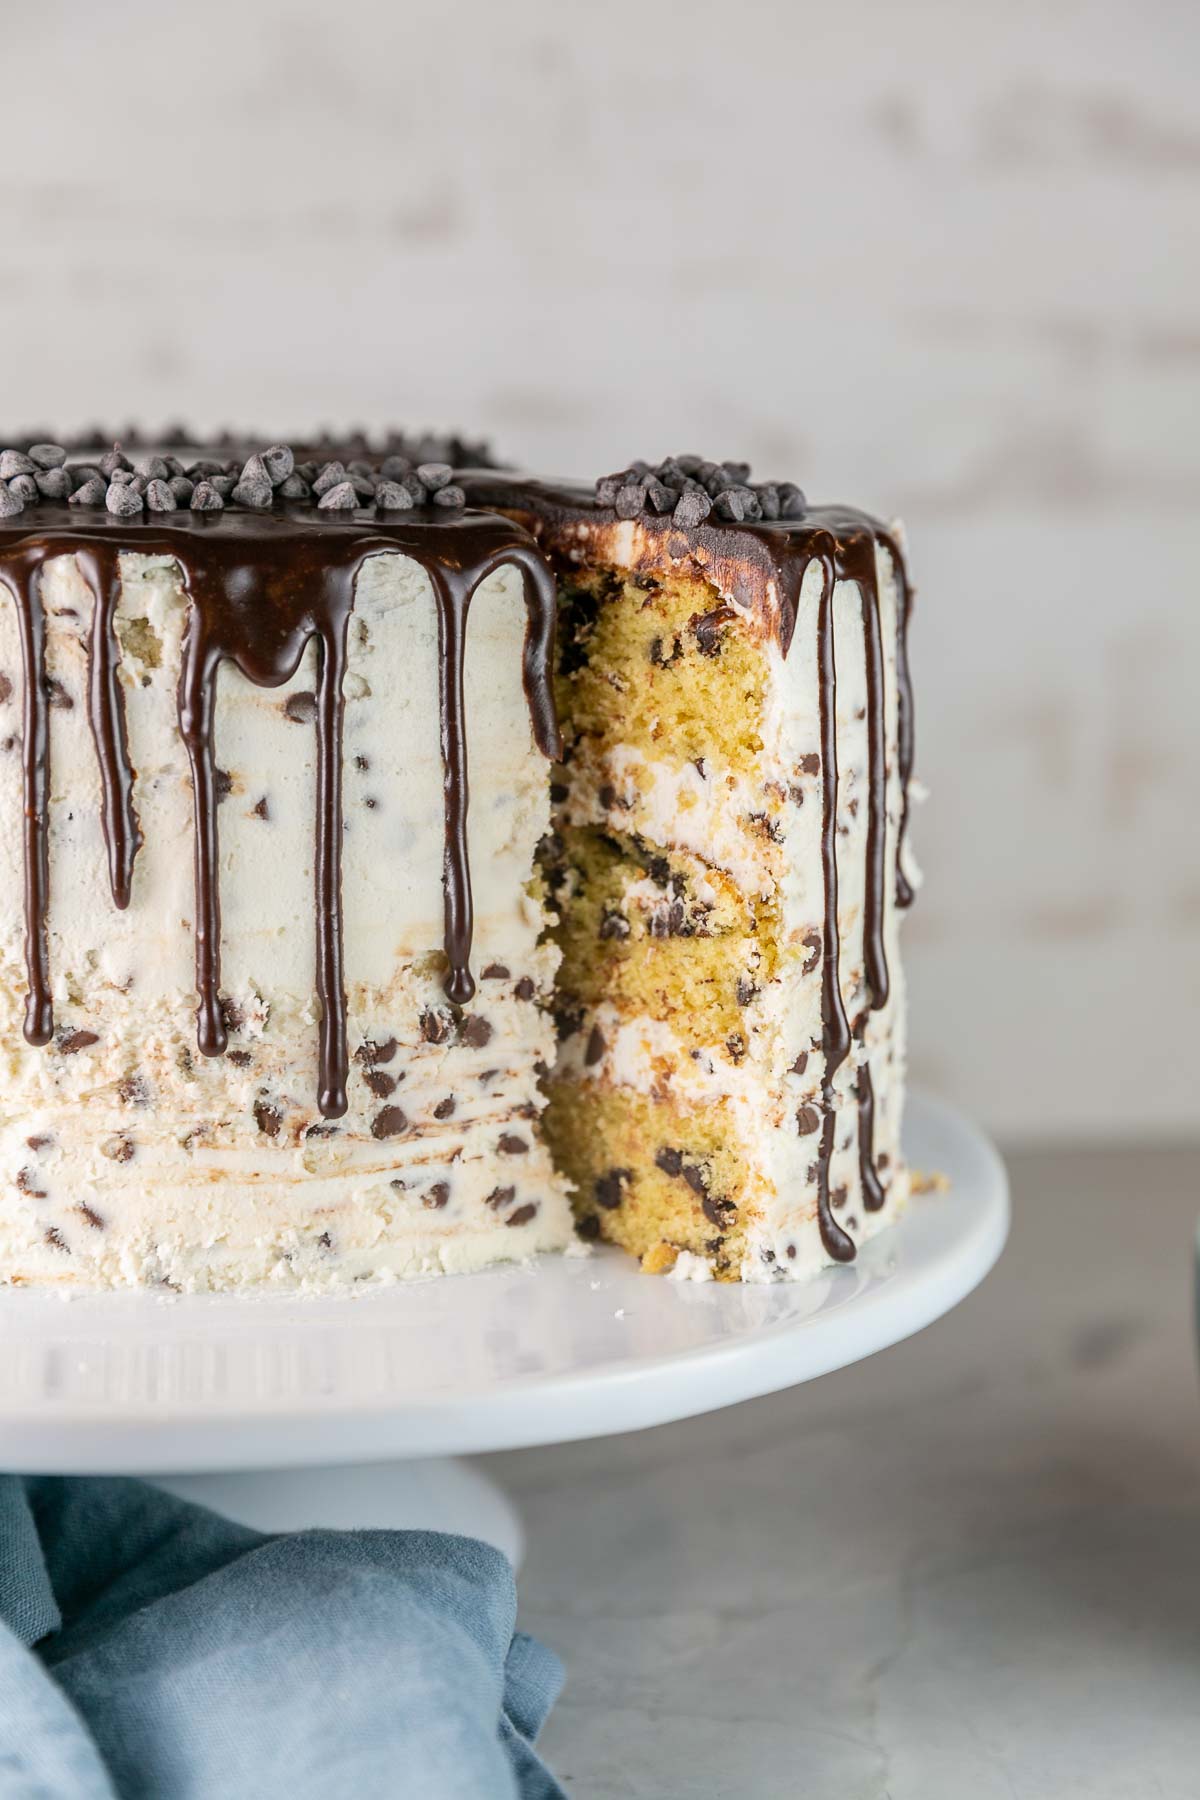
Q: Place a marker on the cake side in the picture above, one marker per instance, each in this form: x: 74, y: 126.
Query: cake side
x: 129, y: 1153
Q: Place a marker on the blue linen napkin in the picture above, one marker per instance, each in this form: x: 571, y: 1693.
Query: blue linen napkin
x: 150, y: 1648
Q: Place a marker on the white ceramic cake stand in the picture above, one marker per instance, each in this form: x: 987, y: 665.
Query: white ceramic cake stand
x: 286, y: 1412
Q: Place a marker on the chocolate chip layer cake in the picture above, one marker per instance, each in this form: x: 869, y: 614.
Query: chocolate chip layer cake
x: 258, y: 1021
x: 277, y: 1005
x: 727, y: 865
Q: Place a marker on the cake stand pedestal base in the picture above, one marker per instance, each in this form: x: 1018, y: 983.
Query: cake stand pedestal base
x: 438, y: 1493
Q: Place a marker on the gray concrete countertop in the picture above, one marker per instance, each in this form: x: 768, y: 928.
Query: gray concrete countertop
x: 968, y: 1567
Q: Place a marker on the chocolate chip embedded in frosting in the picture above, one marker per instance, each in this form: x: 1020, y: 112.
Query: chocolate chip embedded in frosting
x: 371, y: 1052
x: 445, y: 1108
x: 268, y: 1118
x: 500, y: 1197
x: 494, y: 971
x: 801, y: 1063
x: 810, y: 764
x: 27, y: 1184
x: 525, y: 989
x: 56, y: 1240
x: 435, y: 1197
x: 476, y: 1032
x: 435, y: 1026
x: 808, y: 1120
x: 380, y: 1083
x: 814, y: 944
x: 132, y: 1090
x: 512, y: 1145
x: 521, y: 1215
x: 90, y: 1216
x: 71, y: 1042
x: 261, y: 808
x: 118, y: 1148
x: 389, y: 1123
x: 300, y: 708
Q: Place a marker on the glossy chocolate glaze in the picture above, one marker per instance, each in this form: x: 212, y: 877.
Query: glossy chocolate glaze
x: 260, y: 586
x: 747, y: 560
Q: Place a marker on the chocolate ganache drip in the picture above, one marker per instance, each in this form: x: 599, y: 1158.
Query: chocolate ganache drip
x: 262, y: 583
x: 714, y: 513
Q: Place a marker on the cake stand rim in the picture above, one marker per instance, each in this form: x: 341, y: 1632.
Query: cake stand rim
x: 911, y: 1274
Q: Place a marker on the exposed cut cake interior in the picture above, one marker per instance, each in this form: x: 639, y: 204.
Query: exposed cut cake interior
x: 730, y: 1078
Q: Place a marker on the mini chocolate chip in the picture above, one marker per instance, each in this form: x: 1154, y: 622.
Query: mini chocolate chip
x: 6, y: 689
x: 595, y: 1047
x: 436, y: 1196
x: 500, y: 1196
x: 57, y: 694
x: 610, y: 1189
x: 445, y: 1108
x: 706, y: 628
x: 388, y: 1123
x: 232, y: 1016
x: 525, y: 989
x: 523, y: 1214
x: 26, y: 1183
x: 268, y: 1118
x: 322, y: 1129
x: 512, y: 1145
x: 808, y: 1120
x: 476, y: 1032
x: 814, y: 944
x: 324, y: 1242
x: 839, y: 1196
x: 379, y: 1083
x: 669, y: 1160
x: 261, y: 809
x: 371, y: 1052
x: 746, y: 990
x: 47, y: 456
x: 119, y: 1148
x: 801, y: 1063
x: 589, y: 1227
x: 362, y: 764
x: 494, y: 972
x: 206, y: 498
x: 72, y: 1041
x: 132, y: 1090
x: 300, y: 708
x: 241, y: 1059
x: 718, y: 1212
x: 56, y: 1240
x: 90, y: 1216
x: 41, y: 1140
x: 810, y: 764
x: 694, y: 1175
x: 735, y: 1043
x: 791, y: 1252
x: 435, y: 1026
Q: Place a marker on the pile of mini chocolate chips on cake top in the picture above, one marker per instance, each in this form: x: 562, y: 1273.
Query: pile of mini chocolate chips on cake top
x: 690, y: 489
x: 165, y: 484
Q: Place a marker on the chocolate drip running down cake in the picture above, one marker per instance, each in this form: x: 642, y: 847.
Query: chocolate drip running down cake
x: 314, y: 970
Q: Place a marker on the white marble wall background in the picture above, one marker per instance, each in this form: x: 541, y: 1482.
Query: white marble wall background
x: 937, y: 258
